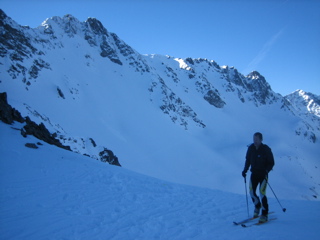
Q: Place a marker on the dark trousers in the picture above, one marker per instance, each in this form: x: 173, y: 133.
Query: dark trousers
x: 255, y: 180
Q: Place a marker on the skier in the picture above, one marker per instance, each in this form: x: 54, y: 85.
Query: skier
x: 259, y: 156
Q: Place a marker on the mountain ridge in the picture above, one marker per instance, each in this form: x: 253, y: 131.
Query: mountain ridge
x: 167, y: 117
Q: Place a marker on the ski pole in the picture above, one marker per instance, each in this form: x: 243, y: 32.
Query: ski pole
x: 283, y: 209
x: 245, y: 186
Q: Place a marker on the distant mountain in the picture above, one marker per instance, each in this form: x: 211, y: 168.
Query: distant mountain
x: 307, y: 106
x: 177, y: 119
x: 305, y: 102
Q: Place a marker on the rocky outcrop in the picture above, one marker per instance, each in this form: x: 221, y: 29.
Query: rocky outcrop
x: 260, y: 88
x: 214, y: 99
x: 9, y: 115
x: 173, y: 105
x: 107, y: 155
x: 41, y: 132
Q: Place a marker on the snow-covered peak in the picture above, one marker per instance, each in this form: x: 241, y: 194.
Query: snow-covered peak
x: 6, y: 20
x: 68, y: 18
x: 305, y: 101
x: 257, y: 81
x: 183, y: 64
x: 67, y: 24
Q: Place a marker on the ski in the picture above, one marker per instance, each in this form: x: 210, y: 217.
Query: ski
x: 248, y: 219
x: 257, y: 224
x: 244, y: 221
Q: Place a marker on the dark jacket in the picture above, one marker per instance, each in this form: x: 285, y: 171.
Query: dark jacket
x: 261, y: 160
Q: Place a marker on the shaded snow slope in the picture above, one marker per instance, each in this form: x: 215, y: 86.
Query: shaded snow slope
x: 50, y: 193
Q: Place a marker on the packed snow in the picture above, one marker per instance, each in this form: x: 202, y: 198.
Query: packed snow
x: 51, y: 193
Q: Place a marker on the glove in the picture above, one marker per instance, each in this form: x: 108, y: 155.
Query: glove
x: 267, y: 172
x: 244, y: 174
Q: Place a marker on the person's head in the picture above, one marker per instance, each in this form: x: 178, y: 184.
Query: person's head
x: 257, y: 139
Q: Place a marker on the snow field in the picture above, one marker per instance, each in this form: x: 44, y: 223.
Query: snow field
x: 50, y: 193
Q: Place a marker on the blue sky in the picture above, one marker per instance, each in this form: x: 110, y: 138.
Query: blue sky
x: 278, y: 38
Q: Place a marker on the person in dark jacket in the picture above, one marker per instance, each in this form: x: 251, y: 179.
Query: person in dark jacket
x: 259, y: 156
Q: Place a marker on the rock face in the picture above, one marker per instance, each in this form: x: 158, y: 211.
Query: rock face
x: 8, y: 114
x: 262, y: 91
x: 107, y: 155
x: 41, y: 132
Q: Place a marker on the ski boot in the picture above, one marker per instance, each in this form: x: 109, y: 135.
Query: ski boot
x: 256, y: 212
x: 263, y: 219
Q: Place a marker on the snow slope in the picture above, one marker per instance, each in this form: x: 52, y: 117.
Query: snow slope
x: 150, y: 110
x: 50, y: 193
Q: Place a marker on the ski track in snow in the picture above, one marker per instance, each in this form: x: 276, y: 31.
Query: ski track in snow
x: 50, y: 193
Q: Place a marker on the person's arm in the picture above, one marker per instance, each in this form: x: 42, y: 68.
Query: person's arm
x: 247, y: 163
x: 270, y: 160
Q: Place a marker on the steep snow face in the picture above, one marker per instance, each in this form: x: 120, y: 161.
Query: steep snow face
x: 182, y: 120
